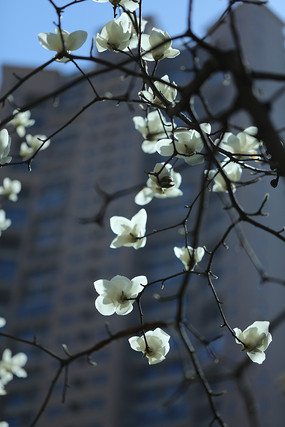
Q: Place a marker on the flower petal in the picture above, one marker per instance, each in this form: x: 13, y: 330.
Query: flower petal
x: 165, y: 147
x: 149, y: 147
x: 139, y: 219
x: 138, y: 283
x: 257, y: 357
x: 101, y: 285
x: 119, y: 224
x: 140, y: 243
x: 144, y: 196
x: 137, y: 343
x: 50, y: 41
x: 76, y: 39
x: 105, y: 306
x: 121, y: 240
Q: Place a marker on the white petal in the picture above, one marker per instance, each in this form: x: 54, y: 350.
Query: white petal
x: 137, y: 343
x: 157, y: 37
x: 139, y: 219
x: 162, y: 335
x: 257, y: 357
x: 21, y: 131
x: 165, y: 147
x: 171, y: 53
x: 144, y: 196
x: 251, y: 130
x: 7, y: 355
x: 20, y: 359
x: 178, y: 251
x: 124, y: 309
x: 43, y: 40
x: 19, y: 372
x: 119, y: 224
x: 105, y: 306
x: 199, y: 253
x: 50, y: 41
x: 130, y: 5
x: 101, y: 285
x: 262, y: 326
x: 101, y: 43
x: 138, y: 283
x: 75, y: 40
x: 196, y: 159
x: 206, y: 127
x: 121, y: 240
x: 145, y: 44
x: 154, y: 360
x: 120, y: 282
x: 149, y: 147
x: 140, y: 125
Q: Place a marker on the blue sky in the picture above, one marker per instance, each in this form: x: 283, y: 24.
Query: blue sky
x: 22, y: 20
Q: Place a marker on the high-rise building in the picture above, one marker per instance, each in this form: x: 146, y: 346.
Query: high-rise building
x: 49, y: 260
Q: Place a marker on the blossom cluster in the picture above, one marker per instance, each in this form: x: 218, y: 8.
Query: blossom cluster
x: 241, y: 146
x: 11, y: 366
x: 186, y: 145
x: 21, y: 121
x: 11, y: 188
x: 119, y: 294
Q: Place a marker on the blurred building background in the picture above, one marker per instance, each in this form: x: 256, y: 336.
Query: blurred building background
x: 49, y: 259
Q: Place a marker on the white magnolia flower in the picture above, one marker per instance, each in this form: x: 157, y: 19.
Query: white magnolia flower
x: 130, y: 5
x: 242, y: 143
x: 157, y: 46
x: 12, y: 365
x: 188, y: 144
x: 165, y: 184
x: 21, y: 121
x: 129, y: 232
x: 32, y: 144
x: 5, y: 144
x: 11, y: 189
x: 72, y: 41
x: 167, y: 91
x: 233, y: 172
x: 255, y: 340
x: 2, y: 322
x: 118, y: 294
x: 115, y: 35
x: 152, y: 128
x: 157, y: 345
x: 4, y: 222
x: 186, y: 256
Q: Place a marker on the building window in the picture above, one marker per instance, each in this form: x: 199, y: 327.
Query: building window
x: 17, y: 215
x: 8, y: 268
x: 53, y: 196
x: 48, y: 232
